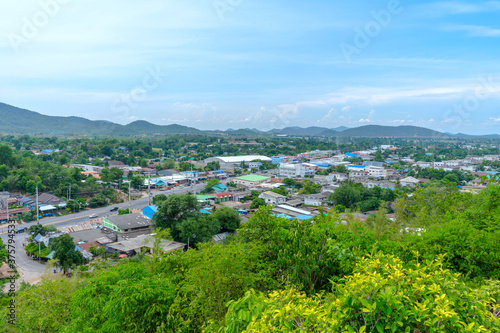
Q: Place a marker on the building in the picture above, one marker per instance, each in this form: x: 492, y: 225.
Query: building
x: 254, y: 165
x: 136, y: 245
x: 220, y: 188
x: 250, y: 180
x: 376, y: 172
x: 290, y: 211
x: 409, y: 181
x: 127, y: 223
x: 292, y: 170
x: 339, y: 176
x: 149, y: 211
x: 272, y: 198
x: 318, y: 199
x: 231, y: 162
x: 223, y: 197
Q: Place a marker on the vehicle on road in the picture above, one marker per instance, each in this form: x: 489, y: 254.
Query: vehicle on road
x: 21, y: 230
x: 93, y: 216
x: 114, y: 209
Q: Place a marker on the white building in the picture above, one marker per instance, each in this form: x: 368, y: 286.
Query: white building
x: 254, y: 165
x: 318, y: 199
x: 293, y: 170
x: 230, y: 162
x: 376, y: 172
x: 272, y: 198
x: 409, y: 181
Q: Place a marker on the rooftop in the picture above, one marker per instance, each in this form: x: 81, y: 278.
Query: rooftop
x: 130, y: 221
x: 252, y: 178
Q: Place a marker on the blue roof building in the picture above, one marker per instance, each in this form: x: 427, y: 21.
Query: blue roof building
x: 220, y: 188
x: 149, y: 211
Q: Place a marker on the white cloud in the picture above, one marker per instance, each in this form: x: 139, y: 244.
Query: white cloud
x: 368, y: 119
x: 475, y: 30
x: 444, y: 8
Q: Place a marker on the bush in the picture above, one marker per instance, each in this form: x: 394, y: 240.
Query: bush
x: 380, y: 296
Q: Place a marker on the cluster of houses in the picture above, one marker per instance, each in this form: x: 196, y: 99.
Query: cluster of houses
x: 126, y: 235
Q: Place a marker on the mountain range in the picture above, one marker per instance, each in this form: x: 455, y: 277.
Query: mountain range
x: 15, y: 120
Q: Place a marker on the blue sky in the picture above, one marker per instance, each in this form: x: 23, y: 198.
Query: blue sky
x: 218, y: 64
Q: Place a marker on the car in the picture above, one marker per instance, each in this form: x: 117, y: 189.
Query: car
x: 114, y: 209
x: 93, y: 216
x: 21, y: 230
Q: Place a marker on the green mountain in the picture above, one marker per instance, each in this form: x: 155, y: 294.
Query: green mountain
x: 14, y: 120
x: 392, y: 131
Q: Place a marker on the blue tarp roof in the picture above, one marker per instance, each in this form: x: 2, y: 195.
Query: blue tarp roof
x: 204, y: 211
x: 301, y: 217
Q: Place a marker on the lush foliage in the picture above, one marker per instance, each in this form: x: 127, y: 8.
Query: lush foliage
x: 438, y: 272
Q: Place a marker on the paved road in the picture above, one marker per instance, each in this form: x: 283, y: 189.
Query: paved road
x: 31, y: 269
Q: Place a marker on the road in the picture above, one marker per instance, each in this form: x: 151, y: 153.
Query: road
x: 31, y: 270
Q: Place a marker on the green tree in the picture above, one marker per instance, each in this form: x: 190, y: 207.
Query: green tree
x: 169, y: 163
x: 257, y: 202
x: 6, y: 155
x: 228, y: 218
x: 345, y: 195
x: 174, y: 210
x: 157, y: 199
x: 210, y: 184
x: 198, y: 228
x: 65, y: 252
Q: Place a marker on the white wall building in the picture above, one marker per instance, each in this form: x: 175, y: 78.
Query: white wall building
x: 376, y: 172
x: 272, y: 198
x: 293, y: 170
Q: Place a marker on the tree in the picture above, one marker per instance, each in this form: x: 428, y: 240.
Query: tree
x: 36, y: 229
x: 174, y: 210
x: 157, y: 199
x: 209, y: 186
x: 451, y: 178
x: 124, y: 211
x: 98, y: 200
x: 310, y: 187
x: 257, y: 202
x: 228, y: 218
x: 340, y: 168
x: 198, y: 228
x: 345, y: 195
x: 65, y: 252
x: 136, y: 182
x: 169, y: 163
x: 6, y: 156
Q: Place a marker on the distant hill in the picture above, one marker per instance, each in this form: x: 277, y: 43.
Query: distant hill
x: 15, y: 120
x: 309, y: 131
x: 144, y: 127
x: 392, y: 131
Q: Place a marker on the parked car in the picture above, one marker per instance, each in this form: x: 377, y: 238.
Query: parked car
x: 21, y: 230
x: 114, y: 209
x: 93, y: 216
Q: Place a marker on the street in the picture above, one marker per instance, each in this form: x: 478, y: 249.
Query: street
x: 31, y: 270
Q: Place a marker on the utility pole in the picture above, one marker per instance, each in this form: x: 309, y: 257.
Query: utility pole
x: 69, y: 193
x: 129, y: 196
x: 149, y: 189
x: 37, y: 218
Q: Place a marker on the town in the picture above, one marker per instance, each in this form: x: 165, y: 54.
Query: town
x: 297, y: 185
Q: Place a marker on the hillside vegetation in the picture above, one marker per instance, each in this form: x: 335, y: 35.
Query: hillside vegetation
x: 435, y: 269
